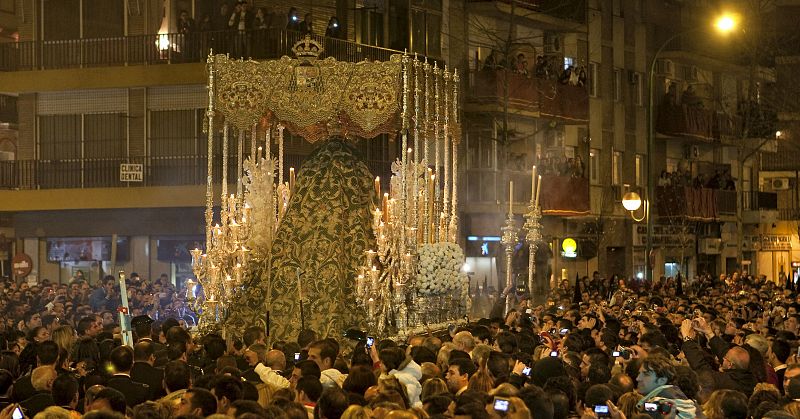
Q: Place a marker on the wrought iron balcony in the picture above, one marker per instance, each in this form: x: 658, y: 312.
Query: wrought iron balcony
x: 701, y: 204
x: 172, y: 48
x: 545, y: 97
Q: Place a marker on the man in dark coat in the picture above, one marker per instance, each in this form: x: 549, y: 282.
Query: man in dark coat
x: 42, y: 379
x: 143, y: 370
x: 122, y: 360
x: 734, y: 373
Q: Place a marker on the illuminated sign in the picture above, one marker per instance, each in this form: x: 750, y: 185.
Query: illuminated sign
x: 569, y: 248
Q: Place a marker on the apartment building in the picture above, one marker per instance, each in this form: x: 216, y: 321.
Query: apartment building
x: 558, y: 84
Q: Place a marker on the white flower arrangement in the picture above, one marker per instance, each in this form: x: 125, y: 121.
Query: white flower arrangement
x: 439, y: 270
x: 259, y: 194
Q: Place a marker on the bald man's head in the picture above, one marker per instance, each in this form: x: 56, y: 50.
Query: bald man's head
x: 276, y: 360
x: 42, y: 378
x: 738, y: 357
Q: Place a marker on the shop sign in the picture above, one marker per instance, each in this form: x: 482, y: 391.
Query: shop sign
x: 776, y: 242
x: 22, y: 265
x: 130, y: 173
x: 665, y: 235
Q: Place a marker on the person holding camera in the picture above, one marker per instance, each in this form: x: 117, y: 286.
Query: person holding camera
x: 734, y: 372
x: 661, y: 398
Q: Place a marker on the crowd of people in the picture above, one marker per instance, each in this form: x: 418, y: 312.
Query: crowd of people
x: 545, y: 67
x: 244, y: 31
x: 716, y: 348
x: 721, y: 179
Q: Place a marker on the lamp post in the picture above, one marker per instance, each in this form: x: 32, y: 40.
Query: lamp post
x: 723, y: 24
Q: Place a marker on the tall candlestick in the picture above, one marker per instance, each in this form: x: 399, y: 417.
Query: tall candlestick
x: 291, y: 179
x: 385, y: 207
x: 533, y: 184
x: 510, y: 198
x: 377, y: 186
x: 538, y: 190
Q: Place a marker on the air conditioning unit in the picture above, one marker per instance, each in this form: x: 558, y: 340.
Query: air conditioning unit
x: 710, y: 246
x: 780, y: 184
x: 692, y: 74
x: 552, y: 44
x: 665, y: 67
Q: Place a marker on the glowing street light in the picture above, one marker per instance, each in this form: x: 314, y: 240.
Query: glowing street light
x: 726, y: 23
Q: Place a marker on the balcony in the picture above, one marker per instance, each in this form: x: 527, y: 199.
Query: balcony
x: 484, y: 189
x: 573, y: 11
x: 700, y: 204
x: 105, y: 173
x: 697, y: 122
x: 783, y: 160
x: 527, y: 95
x: 789, y: 214
x: 760, y: 207
x: 171, y: 48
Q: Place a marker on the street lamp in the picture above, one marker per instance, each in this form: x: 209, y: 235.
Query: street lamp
x: 724, y: 24
x: 632, y: 202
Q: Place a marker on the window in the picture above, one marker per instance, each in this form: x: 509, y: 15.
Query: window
x: 593, y: 81
x: 639, y: 180
x: 426, y: 27
x: 617, y: 85
x: 177, y: 133
x: 616, y: 168
x: 74, y: 19
x: 594, y: 166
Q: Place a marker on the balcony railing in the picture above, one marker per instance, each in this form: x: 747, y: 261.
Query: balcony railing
x: 783, y: 160
x: 172, y: 48
x: 105, y: 173
x: 547, y: 97
x: 574, y: 10
x: 756, y: 200
x: 702, y: 204
x: 789, y: 214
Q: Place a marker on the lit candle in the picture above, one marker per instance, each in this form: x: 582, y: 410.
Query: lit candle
x: 385, y: 208
x: 533, y: 183
x: 511, y: 198
x: 371, y: 307
x: 291, y: 179
x: 377, y: 186
x: 258, y: 155
x: 538, y: 190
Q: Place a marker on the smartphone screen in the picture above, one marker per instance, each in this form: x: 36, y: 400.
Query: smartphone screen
x: 17, y: 413
x: 526, y: 371
x: 370, y: 341
x: 601, y: 408
x: 651, y: 407
x: 553, y: 353
x: 615, y: 354
x: 500, y: 404
x: 296, y: 356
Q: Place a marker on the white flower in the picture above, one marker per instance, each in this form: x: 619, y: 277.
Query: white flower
x: 439, y: 269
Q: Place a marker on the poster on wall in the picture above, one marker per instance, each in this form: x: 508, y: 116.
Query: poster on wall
x: 77, y: 249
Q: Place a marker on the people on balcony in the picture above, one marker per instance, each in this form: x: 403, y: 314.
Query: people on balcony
x: 307, y: 25
x: 690, y: 98
x: 521, y: 64
x: 186, y: 39
x: 241, y: 20
x: 493, y: 62
x: 293, y: 20
x: 333, y: 30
